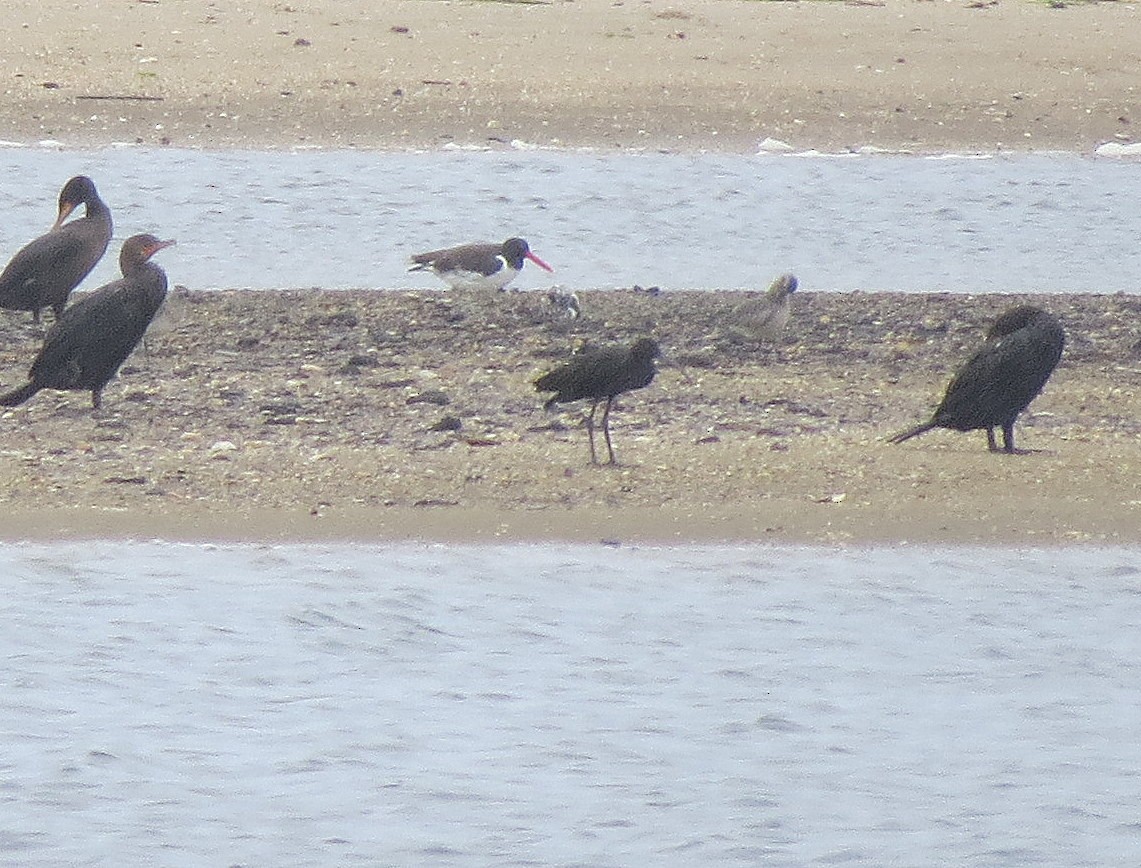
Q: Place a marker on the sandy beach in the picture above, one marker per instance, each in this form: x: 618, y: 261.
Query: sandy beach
x: 316, y: 423
x: 923, y: 75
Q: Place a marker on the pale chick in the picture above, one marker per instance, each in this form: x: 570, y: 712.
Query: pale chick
x: 765, y: 317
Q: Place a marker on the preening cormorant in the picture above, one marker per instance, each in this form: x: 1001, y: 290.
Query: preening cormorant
x: 85, y: 347
x: 998, y: 382
x: 601, y: 374
x: 478, y: 266
x: 45, y: 271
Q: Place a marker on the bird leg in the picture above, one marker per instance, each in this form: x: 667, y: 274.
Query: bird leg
x: 590, y: 431
x: 606, y: 429
x: 1008, y: 442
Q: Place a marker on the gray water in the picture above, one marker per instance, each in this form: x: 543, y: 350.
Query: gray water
x: 577, y: 705
x: 1018, y: 223
x: 568, y: 705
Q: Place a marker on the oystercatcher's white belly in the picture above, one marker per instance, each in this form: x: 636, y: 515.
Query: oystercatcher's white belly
x: 475, y: 280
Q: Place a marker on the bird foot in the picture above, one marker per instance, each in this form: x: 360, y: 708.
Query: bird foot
x: 1003, y: 451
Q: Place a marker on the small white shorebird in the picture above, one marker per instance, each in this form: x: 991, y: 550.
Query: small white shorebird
x: 564, y: 304
x: 478, y: 266
x: 764, y: 318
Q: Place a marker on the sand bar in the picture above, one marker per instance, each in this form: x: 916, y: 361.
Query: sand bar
x: 308, y: 415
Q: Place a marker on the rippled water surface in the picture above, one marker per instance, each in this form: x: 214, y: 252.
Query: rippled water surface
x: 350, y: 220
x: 568, y: 705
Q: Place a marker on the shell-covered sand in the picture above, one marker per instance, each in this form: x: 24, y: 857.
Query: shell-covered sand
x: 309, y: 414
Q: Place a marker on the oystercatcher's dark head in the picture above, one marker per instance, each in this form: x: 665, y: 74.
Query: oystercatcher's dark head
x: 515, y: 250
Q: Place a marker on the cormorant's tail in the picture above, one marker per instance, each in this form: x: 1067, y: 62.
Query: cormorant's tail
x: 912, y: 432
x: 20, y: 395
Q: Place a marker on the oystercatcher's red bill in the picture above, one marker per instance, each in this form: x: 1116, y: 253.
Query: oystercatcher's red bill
x: 538, y: 262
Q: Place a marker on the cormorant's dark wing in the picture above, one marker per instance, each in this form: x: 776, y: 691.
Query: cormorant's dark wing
x: 1000, y: 380
x: 50, y: 258
x: 52, y: 265
x: 92, y: 339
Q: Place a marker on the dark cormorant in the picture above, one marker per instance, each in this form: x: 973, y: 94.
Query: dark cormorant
x: 1022, y: 348
x: 85, y: 347
x: 478, y: 266
x: 46, y: 270
x: 601, y: 374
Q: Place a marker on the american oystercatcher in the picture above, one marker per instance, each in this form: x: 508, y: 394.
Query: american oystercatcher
x: 998, y: 382
x: 478, y: 266
x: 601, y: 374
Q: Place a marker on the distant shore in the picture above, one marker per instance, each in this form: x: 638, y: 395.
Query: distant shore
x: 308, y: 415
x: 691, y: 76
